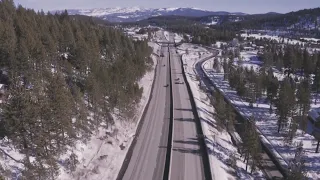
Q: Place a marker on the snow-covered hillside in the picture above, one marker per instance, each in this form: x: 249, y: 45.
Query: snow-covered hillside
x: 119, y: 14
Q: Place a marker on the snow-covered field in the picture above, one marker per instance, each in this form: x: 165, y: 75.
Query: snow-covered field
x: 185, y: 47
x: 311, y: 39
x: 277, y: 38
x: 132, y: 32
x: 266, y: 122
x: 219, y: 144
x: 249, y: 60
x: 101, y: 157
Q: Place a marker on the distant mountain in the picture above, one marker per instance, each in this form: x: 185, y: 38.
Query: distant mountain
x: 299, y: 23
x: 303, y: 20
x: 137, y: 13
x: 275, y: 13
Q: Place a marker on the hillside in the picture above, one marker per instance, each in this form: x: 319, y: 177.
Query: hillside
x: 62, y: 78
x: 306, y: 22
x: 136, y: 13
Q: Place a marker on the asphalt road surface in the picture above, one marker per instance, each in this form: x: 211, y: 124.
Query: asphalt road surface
x: 147, y: 161
x: 186, y: 163
x: 149, y: 154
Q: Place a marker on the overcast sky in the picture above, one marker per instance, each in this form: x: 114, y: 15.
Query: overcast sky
x: 246, y: 6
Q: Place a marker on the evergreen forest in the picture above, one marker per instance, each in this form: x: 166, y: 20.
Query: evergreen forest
x: 62, y: 78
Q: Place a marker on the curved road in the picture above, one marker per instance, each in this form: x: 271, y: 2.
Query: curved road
x: 267, y: 166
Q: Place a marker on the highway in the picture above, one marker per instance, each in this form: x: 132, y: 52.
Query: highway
x: 186, y: 153
x: 148, y: 157
x: 151, y: 156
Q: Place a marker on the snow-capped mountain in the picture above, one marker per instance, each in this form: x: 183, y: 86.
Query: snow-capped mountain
x: 136, y: 13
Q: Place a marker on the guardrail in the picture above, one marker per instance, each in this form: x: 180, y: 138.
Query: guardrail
x: 127, y: 158
x: 167, y: 166
x: 278, y: 160
x: 206, y: 161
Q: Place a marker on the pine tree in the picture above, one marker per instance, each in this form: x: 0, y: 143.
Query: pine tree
x: 317, y: 137
x: 60, y: 104
x: 253, y: 144
x: 220, y: 109
x: 216, y: 65
x: 316, y: 81
x: 297, y: 166
x: 285, y: 102
x: 225, y: 69
x: 304, y: 98
x: 307, y: 64
x: 51, y: 64
x: 230, y: 117
x: 272, y: 88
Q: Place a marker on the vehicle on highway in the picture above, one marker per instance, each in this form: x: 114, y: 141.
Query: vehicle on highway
x: 177, y: 79
x: 164, y: 65
x: 166, y: 85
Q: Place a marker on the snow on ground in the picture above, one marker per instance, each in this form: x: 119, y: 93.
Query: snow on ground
x: 311, y: 39
x: 6, y: 162
x: 132, y: 32
x: 185, y: 47
x: 177, y: 38
x: 157, y: 35
x: 219, y: 144
x: 277, y: 38
x: 213, y: 22
x: 218, y: 44
x: 266, y: 123
x: 140, y: 36
x: 166, y: 35
x: 101, y: 157
x: 249, y: 60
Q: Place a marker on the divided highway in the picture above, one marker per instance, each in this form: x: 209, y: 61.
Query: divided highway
x: 166, y: 145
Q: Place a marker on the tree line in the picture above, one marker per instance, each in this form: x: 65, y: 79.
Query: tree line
x: 299, y: 23
x: 188, y: 25
x: 62, y: 78
x: 250, y: 89
x: 203, y: 35
x: 291, y: 95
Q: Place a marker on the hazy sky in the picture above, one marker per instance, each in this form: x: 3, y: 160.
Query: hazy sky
x: 246, y: 6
